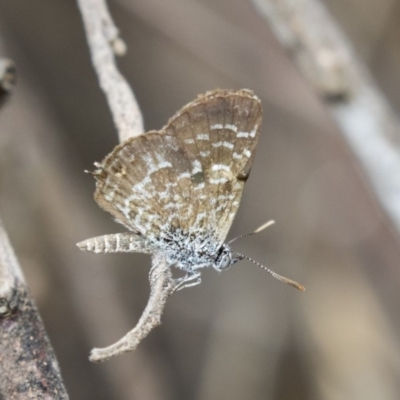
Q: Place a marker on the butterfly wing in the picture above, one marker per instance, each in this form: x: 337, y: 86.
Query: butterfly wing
x: 188, y: 176
x: 144, y: 182
x: 219, y: 132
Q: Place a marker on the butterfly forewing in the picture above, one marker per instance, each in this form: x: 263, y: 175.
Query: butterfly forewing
x: 188, y: 176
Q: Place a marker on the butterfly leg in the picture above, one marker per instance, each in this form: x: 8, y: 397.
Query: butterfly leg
x: 189, y: 280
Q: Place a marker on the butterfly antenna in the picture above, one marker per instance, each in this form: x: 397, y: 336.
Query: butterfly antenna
x: 274, y: 274
x: 258, y: 230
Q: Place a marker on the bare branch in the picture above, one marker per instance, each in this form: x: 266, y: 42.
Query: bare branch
x: 162, y: 285
x: 104, y: 43
x: 102, y: 36
x: 324, y: 56
x: 28, y: 367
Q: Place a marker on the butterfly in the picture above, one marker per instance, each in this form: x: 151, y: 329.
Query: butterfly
x: 177, y: 190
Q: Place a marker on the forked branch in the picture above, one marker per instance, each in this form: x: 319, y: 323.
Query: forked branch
x: 162, y: 285
x: 104, y: 43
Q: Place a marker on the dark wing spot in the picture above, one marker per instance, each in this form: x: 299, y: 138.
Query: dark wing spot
x: 228, y: 186
x: 197, y: 178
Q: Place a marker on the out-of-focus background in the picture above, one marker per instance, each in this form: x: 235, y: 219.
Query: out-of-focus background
x: 240, y: 334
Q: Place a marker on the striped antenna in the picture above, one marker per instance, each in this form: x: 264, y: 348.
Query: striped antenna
x: 264, y: 226
x: 258, y: 230
x: 274, y: 274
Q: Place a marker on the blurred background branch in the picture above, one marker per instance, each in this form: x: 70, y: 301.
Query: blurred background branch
x: 328, y: 62
x: 7, y: 79
x: 28, y: 366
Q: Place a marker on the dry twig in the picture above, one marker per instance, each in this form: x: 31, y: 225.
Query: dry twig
x: 162, y: 286
x: 104, y: 43
x: 324, y: 56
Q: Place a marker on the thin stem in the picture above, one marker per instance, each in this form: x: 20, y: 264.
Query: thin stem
x: 104, y: 43
x: 162, y: 285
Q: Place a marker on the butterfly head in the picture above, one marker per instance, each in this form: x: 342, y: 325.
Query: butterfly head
x: 226, y: 258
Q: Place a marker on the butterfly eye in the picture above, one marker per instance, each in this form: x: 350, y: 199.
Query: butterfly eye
x: 225, y: 261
